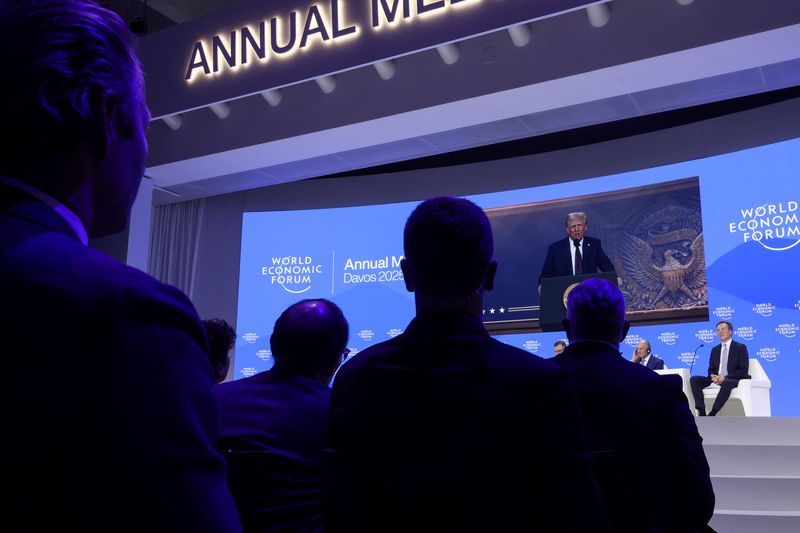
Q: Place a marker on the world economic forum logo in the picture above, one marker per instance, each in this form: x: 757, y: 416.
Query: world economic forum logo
x: 633, y: 340
x: 765, y: 309
x: 746, y: 332
x: 788, y: 330
x: 366, y: 334
x: 705, y: 335
x: 769, y: 354
x: 724, y: 312
x: 768, y: 223
x: 688, y: 358
x: 248, y: 371
x: 668, y: 337
x: 294, y: 273
x: 394, y: 332
x: 250, y: 338
x: 531, y: 345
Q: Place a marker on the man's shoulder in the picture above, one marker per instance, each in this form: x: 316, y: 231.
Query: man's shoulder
x: 502, y: 359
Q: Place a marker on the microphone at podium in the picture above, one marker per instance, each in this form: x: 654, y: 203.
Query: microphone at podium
x: 694, y: 358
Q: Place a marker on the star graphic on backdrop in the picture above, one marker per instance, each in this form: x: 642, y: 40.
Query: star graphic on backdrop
x: 484, y: 311
x: 502, y: 310
x: 491, y: 311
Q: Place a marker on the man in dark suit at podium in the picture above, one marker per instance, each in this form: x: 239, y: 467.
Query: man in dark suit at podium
x: 729, y: 363
x: 577, y: 254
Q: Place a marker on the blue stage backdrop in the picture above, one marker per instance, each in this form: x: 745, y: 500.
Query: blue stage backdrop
x: 736, y: 214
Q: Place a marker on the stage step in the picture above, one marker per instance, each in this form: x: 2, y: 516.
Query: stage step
x: 755, y: 469
x: 755, y: 522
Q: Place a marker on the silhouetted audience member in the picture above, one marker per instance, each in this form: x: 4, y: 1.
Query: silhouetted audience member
x: 649, y: 456
x: 283, y: 414
x: 221, y: 338
x: 109, y: 424
x: 444, y: 428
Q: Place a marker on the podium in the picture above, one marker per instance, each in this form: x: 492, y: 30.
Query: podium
x: 554, y: 297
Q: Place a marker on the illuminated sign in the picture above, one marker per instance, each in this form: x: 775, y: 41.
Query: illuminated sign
x: 282, y: 35
x: 274, y: 43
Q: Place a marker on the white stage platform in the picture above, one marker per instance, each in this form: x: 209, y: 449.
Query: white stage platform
x: 755, y: 469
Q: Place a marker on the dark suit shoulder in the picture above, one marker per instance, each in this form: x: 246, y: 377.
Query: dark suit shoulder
x: 496, y: 359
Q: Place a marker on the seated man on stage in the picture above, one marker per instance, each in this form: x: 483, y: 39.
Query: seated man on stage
x: 558, y: 347
x: 729, y: 363
x: 577, y: 254
x: 643, y: 356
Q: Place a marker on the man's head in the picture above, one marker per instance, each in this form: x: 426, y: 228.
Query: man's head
x: 448, y: 250
x: 221, y: 338
x: 643, y: 349
x: 74, y: 100
x: 309, y: 338
x: 559, y: 347
x: 576, y: 224
x: 724, y: 330
x: 596, y: 311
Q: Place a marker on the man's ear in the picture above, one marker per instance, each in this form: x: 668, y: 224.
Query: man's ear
x: 624, y: 331
x: 105, y: 108
x: 491, y: 272
x: 565, y: 324
x: 406, y: 268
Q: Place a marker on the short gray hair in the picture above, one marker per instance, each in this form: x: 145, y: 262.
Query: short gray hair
x: 577, y: 214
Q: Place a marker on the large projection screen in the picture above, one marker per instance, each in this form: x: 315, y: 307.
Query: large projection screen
x: 694, y: 243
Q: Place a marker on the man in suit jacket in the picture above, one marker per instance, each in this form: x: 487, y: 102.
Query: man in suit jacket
x: 447, y: 427
x: 643, y: 356
x: 109, y: 422
x: 577, y: 254
x: 628, y: 409
x: 728, y: 364
x: 283, y: 414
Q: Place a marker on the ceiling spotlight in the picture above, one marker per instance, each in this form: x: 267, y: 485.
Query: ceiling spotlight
x: 173, y: 122
x: 449, y: 53
x: 327, y: 84
x: 520, y: 35
x: 599, y: 15
x: 273, y: 97
x: 684, y: 2
x: 386, y: 69
x: 222, y: 110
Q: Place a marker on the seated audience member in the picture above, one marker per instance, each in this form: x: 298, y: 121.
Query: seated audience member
x: 109, y: 424
x: 283, y: 413
x: 629, y: 409
x: 728, y: 364
x: 444, y: 428
x: 643, y: 356
x: 559, y: 347
x: 221, y: 338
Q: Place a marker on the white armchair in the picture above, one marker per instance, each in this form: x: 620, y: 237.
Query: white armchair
x: 750, y: 398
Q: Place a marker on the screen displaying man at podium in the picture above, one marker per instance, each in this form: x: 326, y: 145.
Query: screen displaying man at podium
x: 577, y: 254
